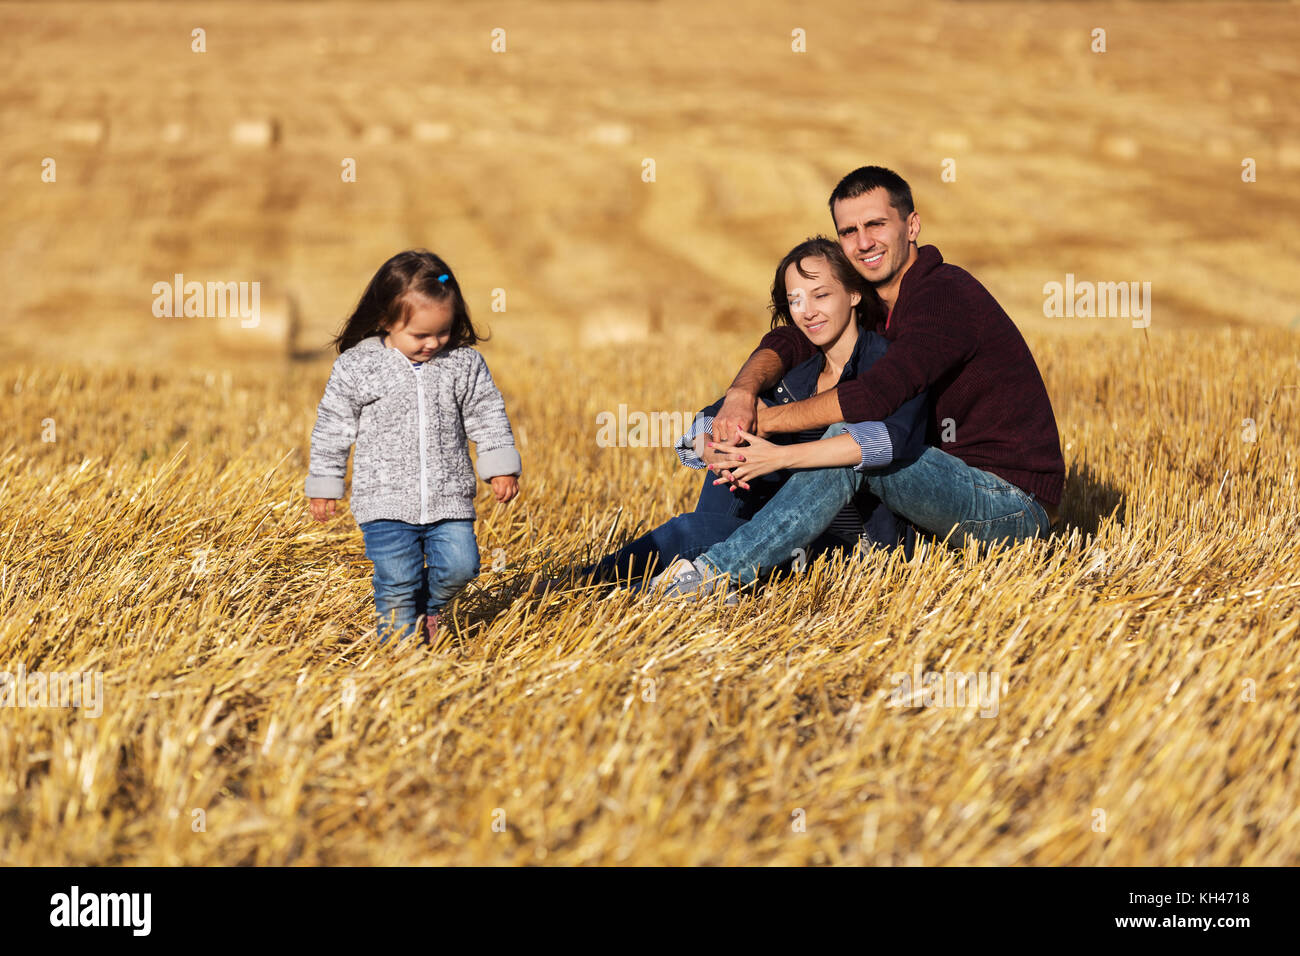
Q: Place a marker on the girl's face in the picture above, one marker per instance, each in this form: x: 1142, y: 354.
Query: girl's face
x: 427, y: 328
x: 820, y: 306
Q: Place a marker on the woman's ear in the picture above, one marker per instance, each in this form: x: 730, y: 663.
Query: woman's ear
x: 855, y: 298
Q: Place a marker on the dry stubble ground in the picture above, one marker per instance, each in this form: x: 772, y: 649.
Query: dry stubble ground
x: 1147, y: 713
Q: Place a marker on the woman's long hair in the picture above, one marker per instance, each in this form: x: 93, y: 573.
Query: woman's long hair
x: 386, y: 303
x: 871, y: 311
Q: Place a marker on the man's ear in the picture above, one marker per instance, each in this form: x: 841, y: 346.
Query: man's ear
x: 913, y: 226
x: 855, y: 298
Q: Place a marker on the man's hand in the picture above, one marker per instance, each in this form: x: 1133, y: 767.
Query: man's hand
x: 739, y: 410
x: 322, y: 509
x: 505, y: 487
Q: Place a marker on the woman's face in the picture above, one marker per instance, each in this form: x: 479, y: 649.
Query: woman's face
x: 820, y: 306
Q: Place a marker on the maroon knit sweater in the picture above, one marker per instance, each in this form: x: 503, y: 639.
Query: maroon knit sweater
x: 948, y: 334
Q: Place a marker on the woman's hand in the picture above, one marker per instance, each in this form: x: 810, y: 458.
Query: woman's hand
x: 505, y: 487
x: 708, y: 454
x: 322, y: 509
x: 754, y: 459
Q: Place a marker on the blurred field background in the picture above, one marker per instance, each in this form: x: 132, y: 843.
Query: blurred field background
x: 152, y: 523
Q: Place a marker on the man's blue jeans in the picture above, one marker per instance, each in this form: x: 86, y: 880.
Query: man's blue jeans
x: 718, y: 514
x: 418, y: 569
x: 937, y: 492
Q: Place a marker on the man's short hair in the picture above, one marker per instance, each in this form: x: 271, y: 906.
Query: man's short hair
x: 866, y: 178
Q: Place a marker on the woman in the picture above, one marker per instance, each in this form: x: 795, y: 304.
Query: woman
x: 817, y: 290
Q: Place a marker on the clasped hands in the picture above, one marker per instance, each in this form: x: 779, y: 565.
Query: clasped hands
x: 737, y: 451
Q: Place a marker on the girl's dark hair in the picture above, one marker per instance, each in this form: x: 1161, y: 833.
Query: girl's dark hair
x: 386, y: 302
x: 871, y: 310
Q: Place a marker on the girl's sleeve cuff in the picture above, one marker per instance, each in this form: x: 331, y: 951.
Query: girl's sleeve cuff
x: 318, y: 487
x: 499, y: 461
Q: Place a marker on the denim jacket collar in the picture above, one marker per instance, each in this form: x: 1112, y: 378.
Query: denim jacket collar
x: 801, y: 381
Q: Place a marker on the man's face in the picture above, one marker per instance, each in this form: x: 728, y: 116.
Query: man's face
x: 874, y: 236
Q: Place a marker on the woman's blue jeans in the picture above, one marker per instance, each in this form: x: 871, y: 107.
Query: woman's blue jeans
x: 418, y: 569
x: 718, y: 514
x: 937, y: 492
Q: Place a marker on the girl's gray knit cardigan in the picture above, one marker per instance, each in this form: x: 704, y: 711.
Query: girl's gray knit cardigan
x: 410, y: 425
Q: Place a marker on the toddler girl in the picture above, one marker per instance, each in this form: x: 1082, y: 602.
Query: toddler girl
x: 409, y: 390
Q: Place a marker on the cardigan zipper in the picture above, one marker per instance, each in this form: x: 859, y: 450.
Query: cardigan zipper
x: 424, y: 482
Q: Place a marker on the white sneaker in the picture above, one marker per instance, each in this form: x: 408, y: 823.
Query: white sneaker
x: 692, y: 581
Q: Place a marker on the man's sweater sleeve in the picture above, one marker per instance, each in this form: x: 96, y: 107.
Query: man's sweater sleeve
x: 932, y: 342
x: 337, y: 419
x: 483, y: 411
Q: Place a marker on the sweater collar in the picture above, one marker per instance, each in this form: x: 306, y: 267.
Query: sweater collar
x: 927, y: 260
x: 375, y: 343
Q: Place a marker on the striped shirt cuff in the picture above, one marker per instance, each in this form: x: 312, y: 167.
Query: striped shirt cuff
x: 685, y: 446
x: 873, y: 439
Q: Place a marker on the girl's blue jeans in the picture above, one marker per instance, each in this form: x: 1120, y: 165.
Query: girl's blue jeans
x: 418, y: 569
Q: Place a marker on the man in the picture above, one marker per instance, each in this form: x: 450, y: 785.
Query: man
x: 997, y: 472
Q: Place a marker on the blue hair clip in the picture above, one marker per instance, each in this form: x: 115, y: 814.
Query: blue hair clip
x: 444, y: 277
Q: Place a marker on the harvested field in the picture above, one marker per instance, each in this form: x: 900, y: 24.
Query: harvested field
x: 153, y: 527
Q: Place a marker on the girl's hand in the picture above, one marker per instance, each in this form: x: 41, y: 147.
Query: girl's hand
x: 322, y: 509
x: 505, y: 487
x: 756, y: 458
